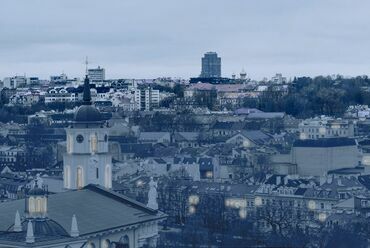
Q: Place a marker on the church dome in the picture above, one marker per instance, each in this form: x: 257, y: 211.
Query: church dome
x: 87, y: 113
x: 36, y: 191
x: 46, y: 227
x: 43, y: 228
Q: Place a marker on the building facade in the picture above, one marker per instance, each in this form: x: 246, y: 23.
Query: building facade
x: 87, y: 160
x: 325, y: 127
x: 211, y: 66
x: 97, y: 74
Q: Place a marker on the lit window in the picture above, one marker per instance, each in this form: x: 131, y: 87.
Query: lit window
x: 94, y: 143
x: 108, y: 177
x: 67, y: 176
x: 31, y: 205
x: 38, y: 205
x: 79, y: 178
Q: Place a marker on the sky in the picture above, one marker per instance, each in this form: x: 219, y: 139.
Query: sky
x: 149, y: 39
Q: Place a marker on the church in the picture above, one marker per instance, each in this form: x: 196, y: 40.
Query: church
x: 89, y: 214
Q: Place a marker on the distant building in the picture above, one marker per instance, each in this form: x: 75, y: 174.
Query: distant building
x: 278, y: 79
x: 97, y: 74
x: 317, y: 157
x: 211, y: 66
x: 62, y: 78
x: 146, y: 99
x: 325, y: 127
x: 14, y: 82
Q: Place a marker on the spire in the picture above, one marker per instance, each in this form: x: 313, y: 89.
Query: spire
x: 74, y: 228
x: 30, y: 238
x: 87, y: 65
x: 87, y: 93
x: 17, y: 223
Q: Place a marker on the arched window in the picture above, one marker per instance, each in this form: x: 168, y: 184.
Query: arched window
x: 69, y: 143
x: 94, y: 143
x: 105, y: 243
x: 31, y: 205
x: 38, y: 205
x: 79, y: 182
x: 90, y: 245
x: 45, y: 205
x: 108, y: 176
x: 124, y: 242
x: 67, y: 176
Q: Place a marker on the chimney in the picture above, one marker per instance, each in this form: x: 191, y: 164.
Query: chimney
x: 30, y: 238
x: 74, y: 228
x: 17, y: 223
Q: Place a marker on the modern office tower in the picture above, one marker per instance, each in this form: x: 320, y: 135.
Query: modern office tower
x: 211, y: 65
x: 97, y: 74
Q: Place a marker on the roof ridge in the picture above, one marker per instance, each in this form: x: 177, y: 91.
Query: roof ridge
x: 119, y: 197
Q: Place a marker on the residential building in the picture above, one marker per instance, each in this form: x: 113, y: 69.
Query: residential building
x: 325, y: 127
x: 14, y: 82
x: 146, y: 99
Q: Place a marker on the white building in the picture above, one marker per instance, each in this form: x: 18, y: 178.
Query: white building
x: 97, y: 74
x: 325, y: 127
x: 146, y: 99
x: 58, y: 79
x: 60, y: 94
x: 14, y: 82
x: 87, y: 160
x: 278, y: 79
x: 317, y: 157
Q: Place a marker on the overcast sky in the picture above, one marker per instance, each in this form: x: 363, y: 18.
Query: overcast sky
x: 152, y: 38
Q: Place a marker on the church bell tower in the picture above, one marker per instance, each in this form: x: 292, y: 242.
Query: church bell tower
x: 87, y: 160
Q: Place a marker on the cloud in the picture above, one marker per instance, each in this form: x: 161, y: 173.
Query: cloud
x: 167, y: 38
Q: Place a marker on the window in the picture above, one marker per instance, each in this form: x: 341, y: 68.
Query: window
x: 79, y: 182
x: 67, y: 176
x: 80, y: 138
x: 106, y: 243
x: 38, y: 205
x: 124, y: 241
x: 97, y: 173
x: 94, y: 143
x: 31, y: 205
x: 108, y: 177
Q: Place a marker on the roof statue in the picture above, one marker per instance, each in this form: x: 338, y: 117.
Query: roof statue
x: 74, y: 227
x: 152, y: 195
x: 17, y: 223
x: 30, y: 238
x: 38, y: 182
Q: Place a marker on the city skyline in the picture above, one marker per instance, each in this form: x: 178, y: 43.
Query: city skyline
x: 149, y: 40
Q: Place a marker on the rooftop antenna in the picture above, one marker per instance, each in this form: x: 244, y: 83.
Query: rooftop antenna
x: 87, y: 64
